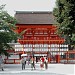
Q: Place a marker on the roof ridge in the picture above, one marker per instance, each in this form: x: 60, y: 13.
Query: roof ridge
x: 33, y: 12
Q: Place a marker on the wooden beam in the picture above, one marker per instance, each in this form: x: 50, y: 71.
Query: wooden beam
x: 44, y: 40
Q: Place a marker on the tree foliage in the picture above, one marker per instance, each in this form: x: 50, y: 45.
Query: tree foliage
x: 7, y: 27
x: 64, y: 13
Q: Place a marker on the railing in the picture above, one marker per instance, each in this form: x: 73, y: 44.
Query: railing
x: 12, y: 61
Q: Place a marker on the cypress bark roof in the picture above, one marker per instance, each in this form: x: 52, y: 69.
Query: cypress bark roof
x: 34, y: 17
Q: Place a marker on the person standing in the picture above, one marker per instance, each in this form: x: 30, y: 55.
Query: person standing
x: 46, y: 63
x: 32, y: 63
x: 28, y: 59
x: 23, y: 62
x: 42, y: 59
x: 1, y: 63
x: 41, y: 64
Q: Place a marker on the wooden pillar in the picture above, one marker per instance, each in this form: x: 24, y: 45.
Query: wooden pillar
x: 59, y: 52
x: 39, y: 48
x: 48, y: 53
x: 57, y: 58
x: 14, y: 61
x: 23, y: 48
x: 32, y: 48
x: 43, y: 45
x: 67, y: 56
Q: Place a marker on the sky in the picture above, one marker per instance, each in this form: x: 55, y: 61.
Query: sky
x: 27, y: 5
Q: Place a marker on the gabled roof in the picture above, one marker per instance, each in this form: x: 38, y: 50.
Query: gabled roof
x: 34, y: 17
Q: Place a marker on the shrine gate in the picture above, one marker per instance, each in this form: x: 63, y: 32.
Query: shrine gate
x: 39, y: 33
x: 39, y: 38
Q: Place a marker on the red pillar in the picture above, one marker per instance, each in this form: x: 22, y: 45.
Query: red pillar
x: 57, y: 57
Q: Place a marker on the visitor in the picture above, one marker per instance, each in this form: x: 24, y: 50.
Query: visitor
x: 1, y: 63
x: 23, y: 62
x: 46, y: 63
x: 41, y: 64
x: 32, y: 63
x: 43, y: 59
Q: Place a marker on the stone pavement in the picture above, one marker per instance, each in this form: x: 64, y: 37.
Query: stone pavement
x: 53, y: 69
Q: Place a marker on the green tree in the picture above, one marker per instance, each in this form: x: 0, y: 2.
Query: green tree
x: 7, y: 27
x: 64, y: 13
